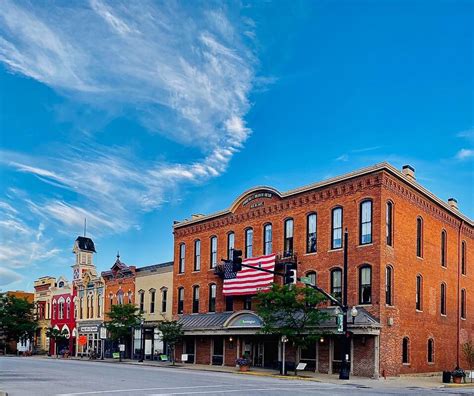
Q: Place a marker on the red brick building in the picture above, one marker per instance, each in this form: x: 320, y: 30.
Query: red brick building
x: 410, y: 272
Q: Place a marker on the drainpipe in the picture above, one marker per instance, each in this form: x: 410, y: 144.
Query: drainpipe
x: 458, y: 313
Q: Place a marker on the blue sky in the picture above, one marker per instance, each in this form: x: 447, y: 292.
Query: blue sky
x: 134, y: 114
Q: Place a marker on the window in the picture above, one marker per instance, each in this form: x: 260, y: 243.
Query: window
x: 195, y: 299
x: 229, y: 303
x: 419, y: 237
x: 365, y: 227
x: 111, y: 297
x: 389, y: 285
x: 152, y: 300
x: 248, y: 303
x: 141, y: 294
x: 213, y: 251
x: 406, y: 351
x: 430, y: 350
x: 311, y: 233
x: 182, y: 255
x: 164, y: 298
x: 61, y: 310
x: 463, y: 303
x: 336, y: 240
x: 248, y: 243
x: 365, y: 284
x: 267, y: 239
x: 99, y: 305
x: 68, y: 309
x: 230, y: 245
x: 312, y: 276
x: 443, y: 299
x: 197, y: 255
x: 336, y: 284
x: 463, y: 258
x: 212, y: 297
x: 288, y: 242
x: 180, y: 300
x: 92, y: 306
x: 120, y: 297
x: 389, y: 223
x: 419, y: 293
x: 443, y: 248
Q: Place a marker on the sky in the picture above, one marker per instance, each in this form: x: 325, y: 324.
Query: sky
x: 135, y: 114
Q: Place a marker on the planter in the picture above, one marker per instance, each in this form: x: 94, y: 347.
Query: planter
x: 243, y: 368
x: 457, y: 380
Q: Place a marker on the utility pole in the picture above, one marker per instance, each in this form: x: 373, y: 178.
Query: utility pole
x: 345, y: 370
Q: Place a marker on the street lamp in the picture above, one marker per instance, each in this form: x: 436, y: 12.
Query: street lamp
x: 354, y: 313
x: 142, y: 342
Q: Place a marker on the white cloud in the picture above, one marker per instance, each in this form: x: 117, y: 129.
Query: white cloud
x: 465, y: 154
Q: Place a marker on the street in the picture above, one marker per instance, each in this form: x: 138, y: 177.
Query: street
x: 33, y: 376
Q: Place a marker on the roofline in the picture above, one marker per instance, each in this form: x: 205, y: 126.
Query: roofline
x: 347, y: 176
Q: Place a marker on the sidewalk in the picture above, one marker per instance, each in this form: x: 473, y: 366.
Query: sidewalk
x: 406, y: 381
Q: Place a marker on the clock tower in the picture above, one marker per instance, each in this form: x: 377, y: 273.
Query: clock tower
x: 84, y: 250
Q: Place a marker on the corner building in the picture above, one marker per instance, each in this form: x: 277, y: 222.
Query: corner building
x: 410, y: 273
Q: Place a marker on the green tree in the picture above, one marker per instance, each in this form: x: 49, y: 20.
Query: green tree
x: 171, y: 333
x: 56, y: 335
x: 468, y: 350
x: 17, y: 319
x: 123, y: 318
x: 292, y: 312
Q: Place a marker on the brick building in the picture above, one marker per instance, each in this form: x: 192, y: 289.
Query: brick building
x: 42, y: 299
x: 409, y: 272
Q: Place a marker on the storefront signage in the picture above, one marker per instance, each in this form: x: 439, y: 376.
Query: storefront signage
x: 256, y: 196
x: 246, y: 320
x: 88, y: 329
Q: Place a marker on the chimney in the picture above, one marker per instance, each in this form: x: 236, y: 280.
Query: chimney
x: 409, y: 172
x: 453, y: 203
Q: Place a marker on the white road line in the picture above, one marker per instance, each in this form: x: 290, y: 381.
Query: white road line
x: 232, y: 391
x: 137, y: 390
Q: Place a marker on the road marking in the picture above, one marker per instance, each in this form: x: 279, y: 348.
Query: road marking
x: 136, y: 390
x: 310, y: 387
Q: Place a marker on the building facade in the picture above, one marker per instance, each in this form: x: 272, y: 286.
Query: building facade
x: 42, y: 299
x: 409, y: 273
x: 154, y: 296
x: 89, y: 298
x: 119, y: 284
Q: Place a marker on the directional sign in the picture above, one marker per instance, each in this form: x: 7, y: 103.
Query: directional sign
x: 306, y: 280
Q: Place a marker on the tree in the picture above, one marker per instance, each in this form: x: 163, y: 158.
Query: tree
x: 291, y: 313
x: 468, y: 350
x: 17, y: 319
x: 171, y: 333
x: 122, y: 319
x: 56, y: 335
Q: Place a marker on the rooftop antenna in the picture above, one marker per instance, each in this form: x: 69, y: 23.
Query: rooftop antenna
x: 85, y: 226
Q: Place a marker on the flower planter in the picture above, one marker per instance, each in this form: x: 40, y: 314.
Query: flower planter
x: 243, y: 368
x: 457, y: 380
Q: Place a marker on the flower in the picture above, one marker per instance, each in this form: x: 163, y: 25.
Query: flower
x: 242, y: 361
x: 458, y: 372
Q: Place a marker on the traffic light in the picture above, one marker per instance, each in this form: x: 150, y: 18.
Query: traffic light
x: 290, y: 274
x: 237, y: 260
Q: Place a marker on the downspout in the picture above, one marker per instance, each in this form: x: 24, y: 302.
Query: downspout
x: 458, y: 313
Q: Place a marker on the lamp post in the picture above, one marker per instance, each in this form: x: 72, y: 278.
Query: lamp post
x: 354, y: 313
x: 142, y: 341
x: 345, y: 370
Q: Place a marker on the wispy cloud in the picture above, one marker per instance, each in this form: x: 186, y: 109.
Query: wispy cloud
x: 346, y: 156
x: 464, y: 154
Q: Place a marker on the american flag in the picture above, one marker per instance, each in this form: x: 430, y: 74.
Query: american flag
x: 249, y: 280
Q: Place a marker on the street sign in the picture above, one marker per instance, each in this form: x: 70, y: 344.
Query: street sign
x: 103, y: 333
x: 82, y: 340
x: 122, y: 347
x: 306, y: 280
x: 340, y: 323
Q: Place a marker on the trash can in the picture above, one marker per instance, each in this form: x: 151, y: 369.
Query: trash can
x: 446, y: 377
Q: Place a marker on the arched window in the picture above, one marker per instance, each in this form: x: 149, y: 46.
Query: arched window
x: 463, y: 258
x: 195, y: 299
x: 312, y: 277
x: 365, y: 284
x: 406, y: 350
x: 336, y: 284
x: 180, y: 300
x: 419, y: 237
x: 267, y: 239
x: 92, y: 306
x: 152, y: 300
x: 389, y: 223
x: 463, y: 303
x: 443, y: 299
x: 389, y: 285
x: 164, y: 299
x: 288, y: 242
x: 111, y: 297
x: 336, y: 228
x: 419, y: 293
x: 61, y: 309
x: 311, y: 233
x: 365, y: 222
x: 430, y: 350
x: 212, y: 297
x: 443, y: 248
x: 197, y: 255
x: 213, y: 252
x: 248, y: 243
x: 120, y: 297
x: 230, y: 245
x: 182, y: 256
x: 141, y: 295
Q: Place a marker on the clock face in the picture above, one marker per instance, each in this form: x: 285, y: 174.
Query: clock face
x: 76, y: 273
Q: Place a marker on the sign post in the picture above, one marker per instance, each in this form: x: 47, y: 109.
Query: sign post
x: 103, y: 336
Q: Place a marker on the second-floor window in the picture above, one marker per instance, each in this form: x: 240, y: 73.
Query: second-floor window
x: 443, y: 248
x: 180, y: 300
x: 463, y: 303
x: 120, y: 297
x: 267, y: 239
x: 248, y: 243
x: 197, y: 255
x: 230, y: 245
x: 463, y: 258
x: 164, y: 299
x: 312, y: 277
x: 213, y: 251
x: 443, y: 299
x: 61, y: 310
x: 288, y: 242
x: 195, y: 299
x: 419, y: 293
x: 365, y: 222
x: 336, y: 284
x: 141, y: 293
x: 152, y: 300
x: 311, y: 229
x: 389, y: 223
x: 212, y: 297
x: 419, y: 237
x: 336, y: 234
x: 388, y: 285
x: 365, y: 284
x: 182, y: 257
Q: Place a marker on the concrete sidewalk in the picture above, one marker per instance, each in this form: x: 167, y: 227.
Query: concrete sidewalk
x: 428, y: 381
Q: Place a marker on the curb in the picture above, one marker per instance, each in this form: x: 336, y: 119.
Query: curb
x: 286, y: 377
x: 467, y: 385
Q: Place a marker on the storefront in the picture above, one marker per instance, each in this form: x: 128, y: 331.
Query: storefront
x: 91, y: 331
x: 153, y: 346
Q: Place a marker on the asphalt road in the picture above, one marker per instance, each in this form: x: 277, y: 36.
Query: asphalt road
x: 38, y: 377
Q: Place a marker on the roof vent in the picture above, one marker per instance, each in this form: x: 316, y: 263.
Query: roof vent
x: 453, y: 203
x: 409, y: 172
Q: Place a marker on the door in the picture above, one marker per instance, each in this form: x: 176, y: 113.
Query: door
x: 218, y: 351
x: 270, y: 356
